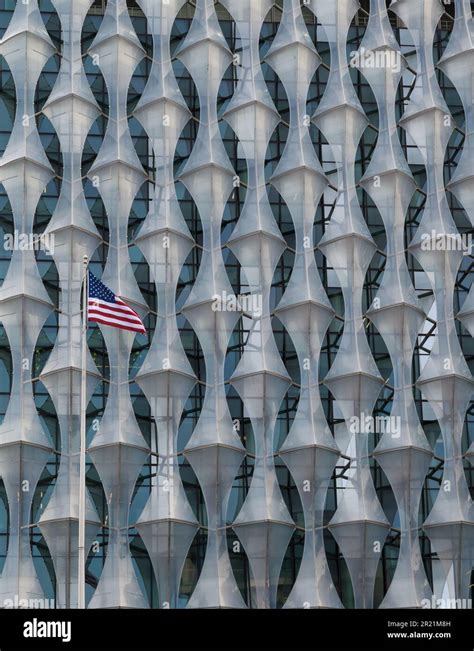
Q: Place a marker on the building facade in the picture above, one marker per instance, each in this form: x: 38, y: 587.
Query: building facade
x: 282, y: 190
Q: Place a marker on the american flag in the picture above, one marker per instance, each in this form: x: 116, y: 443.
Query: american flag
x: 105, y: 307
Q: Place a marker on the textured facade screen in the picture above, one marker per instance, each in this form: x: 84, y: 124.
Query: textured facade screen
x: 283, y: 192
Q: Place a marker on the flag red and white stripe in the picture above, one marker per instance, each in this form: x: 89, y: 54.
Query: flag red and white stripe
x: 105, y: 307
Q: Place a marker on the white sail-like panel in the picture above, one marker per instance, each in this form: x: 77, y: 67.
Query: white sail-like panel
x: 309, y: 451
x: 445, y: 380
x: 118, y: 449
x: 403, y: 452
x: 167, y: 523
x: 263, y: 524
x: 214, y: 449
x: 359, y: 524
x: 24, y: 303
x: 72, y: 109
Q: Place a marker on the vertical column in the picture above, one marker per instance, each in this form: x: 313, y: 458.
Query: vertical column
x: 359, y: 524
x: 72, y: 109
x: 458, y: 64
x: 403, y: 451
x: 24, y: 303
x: 214, y: 449
x: 263, y: 524
x: 118, y: 449
x: 309, y: 451
x: 167, y: 523
x: 445, y: 380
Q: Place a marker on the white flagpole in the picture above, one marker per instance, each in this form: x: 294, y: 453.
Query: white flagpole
x: 81, y: 577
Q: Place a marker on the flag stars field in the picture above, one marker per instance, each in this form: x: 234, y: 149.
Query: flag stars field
x: 105, y: 307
